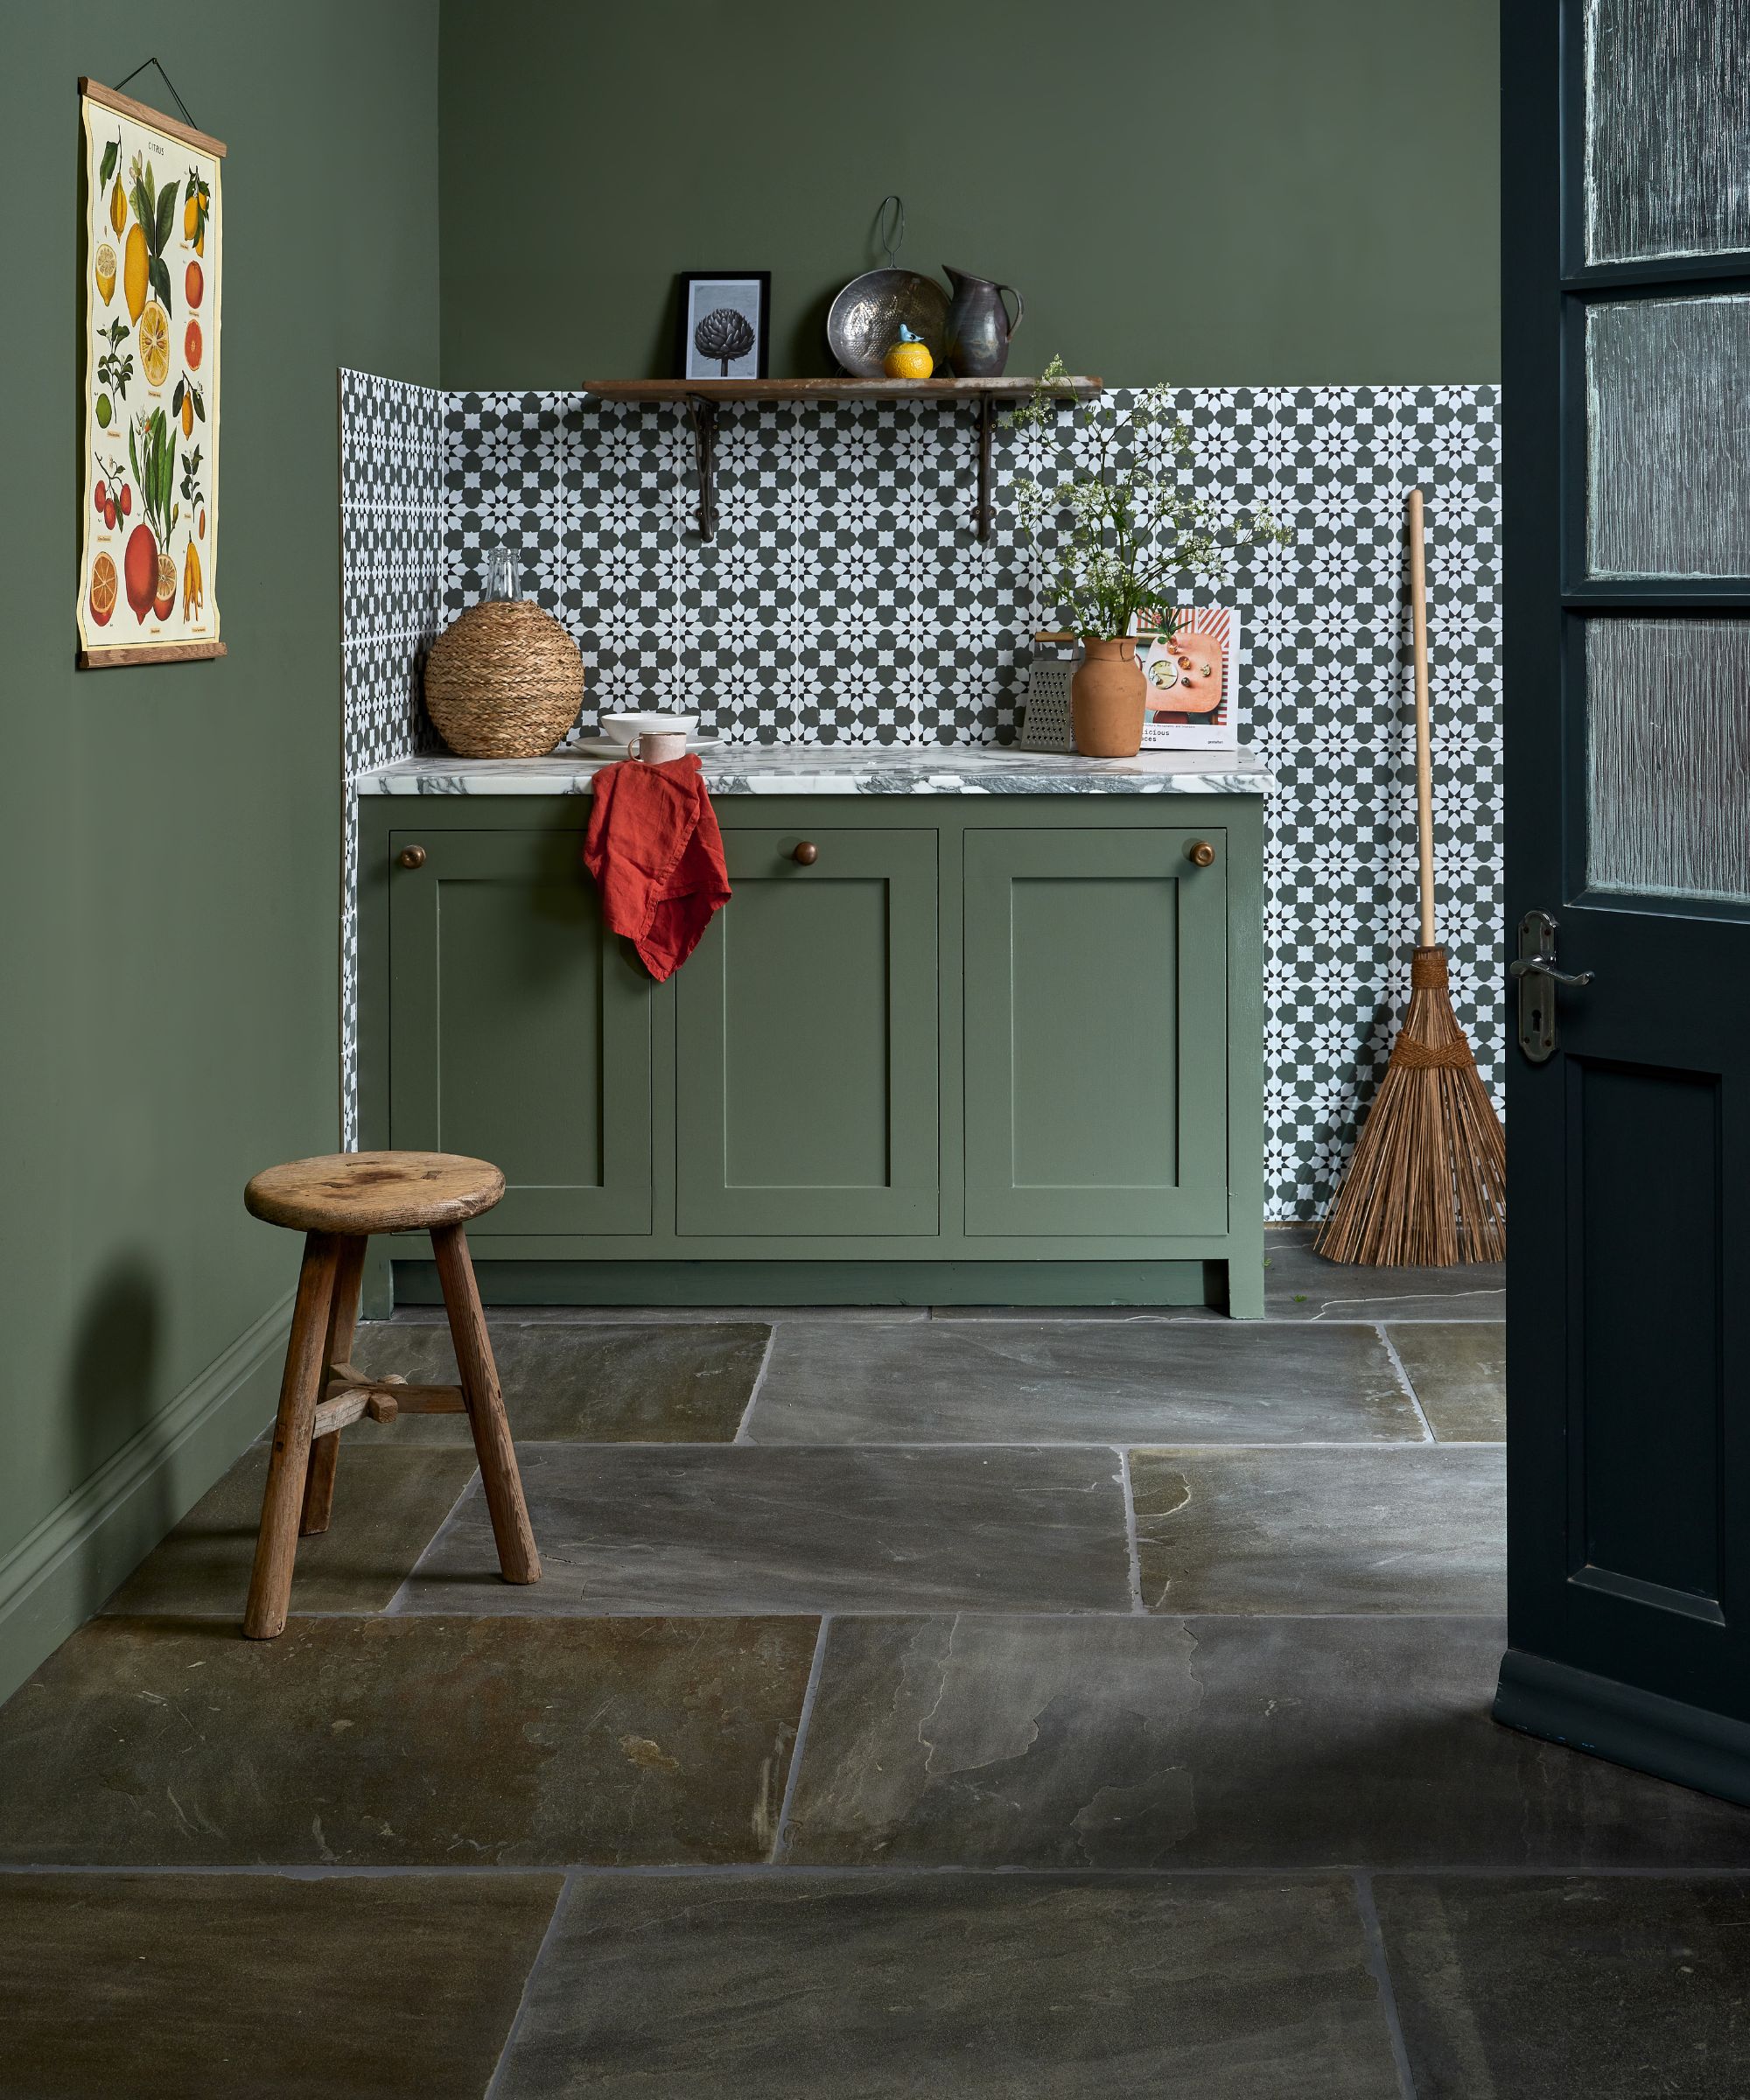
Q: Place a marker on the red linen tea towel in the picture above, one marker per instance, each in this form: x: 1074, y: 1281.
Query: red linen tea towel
x: 654, y: 850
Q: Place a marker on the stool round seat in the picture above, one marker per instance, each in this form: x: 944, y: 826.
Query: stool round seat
x: 363, y: 1192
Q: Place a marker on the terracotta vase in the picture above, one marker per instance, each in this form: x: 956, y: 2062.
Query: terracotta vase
x: 1107, y: 699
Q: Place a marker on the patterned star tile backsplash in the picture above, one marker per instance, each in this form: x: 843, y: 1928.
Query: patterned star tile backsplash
x: 846, y: 599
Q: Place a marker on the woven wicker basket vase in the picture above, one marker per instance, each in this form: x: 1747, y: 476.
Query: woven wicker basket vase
x: 505, y: 681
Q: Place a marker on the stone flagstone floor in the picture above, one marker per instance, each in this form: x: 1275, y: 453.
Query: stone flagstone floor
x: 1025, y: 1706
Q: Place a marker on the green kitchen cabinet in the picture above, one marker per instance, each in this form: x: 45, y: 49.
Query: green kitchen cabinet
x: 522, y: 1028
x: 1096, y: 1028
x: 979, y: 1048
x: 806, y: 1040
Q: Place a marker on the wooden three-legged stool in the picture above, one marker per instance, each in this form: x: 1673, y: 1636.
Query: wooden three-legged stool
x: 337, y: 1203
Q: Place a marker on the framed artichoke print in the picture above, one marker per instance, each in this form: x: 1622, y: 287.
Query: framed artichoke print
x: 152, y: 235
x: 725, y: 323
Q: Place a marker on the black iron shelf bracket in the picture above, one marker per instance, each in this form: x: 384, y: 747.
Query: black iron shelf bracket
x: 701, y: 411
x: 987, y: 424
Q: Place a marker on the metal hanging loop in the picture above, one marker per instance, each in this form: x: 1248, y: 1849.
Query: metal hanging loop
x: 897, y: 222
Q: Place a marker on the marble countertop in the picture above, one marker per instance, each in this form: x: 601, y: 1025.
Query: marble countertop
x: 856, y: 769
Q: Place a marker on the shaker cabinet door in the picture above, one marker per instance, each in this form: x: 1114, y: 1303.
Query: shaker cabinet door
x: 520, y: 1029
x: 1095, y: 1032
x: 807, y: 1021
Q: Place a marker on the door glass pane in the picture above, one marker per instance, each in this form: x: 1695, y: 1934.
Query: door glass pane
x: 1668, y: 756
x: 1667, y: 447
x: 1667, y: 128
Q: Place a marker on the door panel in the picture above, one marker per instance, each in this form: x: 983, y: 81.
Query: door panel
x: 1668, y: 476
x: 1667, y: 154
x: 1653, y: 1422
x: 1668, y: 756
x: 520, y: 1029
x: 1626, y: 624
x: 1095, y: 1033
x: 807, y: 1046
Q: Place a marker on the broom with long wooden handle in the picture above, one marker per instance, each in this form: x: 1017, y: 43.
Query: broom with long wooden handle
x: 1426, y: 1184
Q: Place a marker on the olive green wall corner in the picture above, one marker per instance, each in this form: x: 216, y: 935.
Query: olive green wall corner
x: 1212, y: 192
x: 169, y: 834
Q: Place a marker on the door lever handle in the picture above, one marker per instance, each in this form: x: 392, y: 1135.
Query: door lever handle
x: 1544, y: 966
x: 1535, y: 969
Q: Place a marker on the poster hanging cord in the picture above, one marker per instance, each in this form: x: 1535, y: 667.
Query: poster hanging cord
x: 168, y: 82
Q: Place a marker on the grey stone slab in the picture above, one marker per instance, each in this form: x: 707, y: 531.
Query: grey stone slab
x: 388, y: 1504
x: 1106, y: 1313
x: 396, y: 1742
x: 987, y: 1987
x: 644, y: 1316
x: 1299, y: 1285
x: 1239, y: 1743
x: 1460, y: 1374
x: 678, y: 1383
x: 169, y: 1986
x: 1073, y: 1381
x: 738, y: 1528
x: 1615, y: 1990
x: 1403, y: 1528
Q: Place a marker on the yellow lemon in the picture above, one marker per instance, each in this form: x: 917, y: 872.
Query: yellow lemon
x: 190, y: 220
x: 193, y: 597
x: 118, y: 209
x: 155, y: 343
x: 908, y: 360
x: 106, y: 272
x: 134, y: 271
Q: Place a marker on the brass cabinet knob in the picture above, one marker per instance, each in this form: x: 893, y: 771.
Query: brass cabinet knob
x: 412, y: 856
x: 806, y: 854
x: 1201, y: 853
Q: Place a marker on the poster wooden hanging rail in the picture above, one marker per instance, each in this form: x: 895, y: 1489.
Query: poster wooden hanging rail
x: 143, y: 113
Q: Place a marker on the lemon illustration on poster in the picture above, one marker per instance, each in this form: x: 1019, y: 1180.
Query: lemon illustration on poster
x: 153, y: 239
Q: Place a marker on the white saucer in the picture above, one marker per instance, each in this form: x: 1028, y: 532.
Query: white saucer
x: 603, y: 748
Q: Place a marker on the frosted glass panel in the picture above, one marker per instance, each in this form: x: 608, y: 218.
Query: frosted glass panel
x: 1668, y: 437
x: 1668, y: 128
x: 1668, y: 756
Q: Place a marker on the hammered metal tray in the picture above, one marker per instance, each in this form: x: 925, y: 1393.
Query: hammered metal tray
x: 864, y: 321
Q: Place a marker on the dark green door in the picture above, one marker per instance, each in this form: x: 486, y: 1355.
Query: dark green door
x: 806, y: 1088
x: 1095, y: 1033
x: 1626, y: 624
x: 520, y: 1029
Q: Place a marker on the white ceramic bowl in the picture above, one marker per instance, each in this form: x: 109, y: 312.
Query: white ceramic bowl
x: 622, y: 729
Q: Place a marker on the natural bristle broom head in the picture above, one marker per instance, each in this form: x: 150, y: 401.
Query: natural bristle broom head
x: 1427, y: 1185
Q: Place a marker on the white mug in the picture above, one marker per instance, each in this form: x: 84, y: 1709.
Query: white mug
x: 656, y: 747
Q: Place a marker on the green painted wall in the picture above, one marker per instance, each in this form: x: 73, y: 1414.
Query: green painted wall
x: 169, y: 835
x: 1206, y: 190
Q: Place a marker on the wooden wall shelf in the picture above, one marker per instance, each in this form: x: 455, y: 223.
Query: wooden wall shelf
x: 701, y: 398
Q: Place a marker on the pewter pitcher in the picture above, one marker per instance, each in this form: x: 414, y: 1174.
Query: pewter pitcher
x: 976, y: 341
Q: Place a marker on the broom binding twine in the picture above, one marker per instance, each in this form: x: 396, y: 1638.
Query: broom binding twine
x: 1428, y: 973
x: 1426, y: 1056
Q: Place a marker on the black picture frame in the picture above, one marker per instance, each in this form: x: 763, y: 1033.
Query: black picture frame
x: 690, y: 361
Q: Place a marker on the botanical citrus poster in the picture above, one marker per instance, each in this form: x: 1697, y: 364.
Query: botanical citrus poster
x: 153, y: 236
